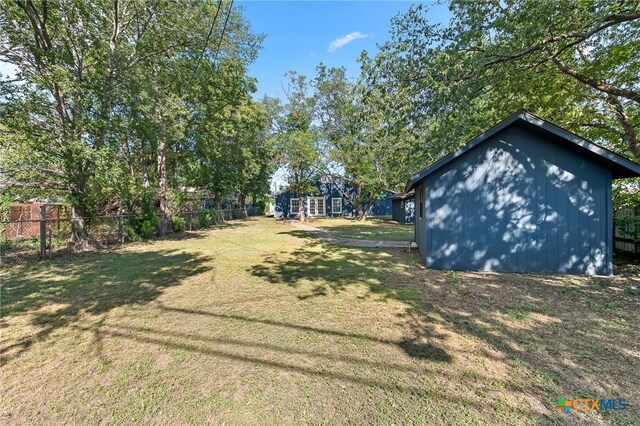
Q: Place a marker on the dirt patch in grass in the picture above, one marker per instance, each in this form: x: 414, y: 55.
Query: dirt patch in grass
x: 255, y: 325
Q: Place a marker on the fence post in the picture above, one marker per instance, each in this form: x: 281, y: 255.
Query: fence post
x: 121, y: 229
x: 43, y: 231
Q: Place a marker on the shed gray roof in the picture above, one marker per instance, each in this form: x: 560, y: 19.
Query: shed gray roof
x: 402, y: 195
x: 619, y: 165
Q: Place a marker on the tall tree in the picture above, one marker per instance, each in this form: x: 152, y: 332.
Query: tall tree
x: 298, y: 141
x: 369, y: 140
x: 101, y: 105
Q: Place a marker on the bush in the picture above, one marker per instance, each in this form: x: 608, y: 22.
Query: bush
x: 148, y: 228
x: 178, y: 223
x: 131, y: 233
x: 205, y: 218
x: 145, y: 222
x: 261, y: 206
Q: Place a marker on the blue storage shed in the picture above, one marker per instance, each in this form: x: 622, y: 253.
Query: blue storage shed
x: 525, y: 196
x: 403, y: 207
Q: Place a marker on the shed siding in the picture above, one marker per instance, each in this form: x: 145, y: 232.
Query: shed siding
x: 421, y: 239
x: 518, y: 202
x: 403, y: 210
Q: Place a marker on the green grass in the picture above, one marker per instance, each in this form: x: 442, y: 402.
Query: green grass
x: 523, y: 310
x: 256, y: 323
x: 375, y: 229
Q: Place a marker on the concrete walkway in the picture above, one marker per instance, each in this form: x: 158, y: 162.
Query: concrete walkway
x: 351, y: 242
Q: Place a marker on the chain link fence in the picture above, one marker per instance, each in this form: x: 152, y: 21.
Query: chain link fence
x: 28, y: 241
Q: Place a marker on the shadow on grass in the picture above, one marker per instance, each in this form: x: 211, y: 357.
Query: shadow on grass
x: 197, y: 229
x: 331, y: 269
x: 57, y: 293
x: 420, y: 350
x: 215, y: 347
x: 526, y: 317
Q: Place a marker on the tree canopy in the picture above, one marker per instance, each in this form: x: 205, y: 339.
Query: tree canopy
x: 114, y: 102
x: 572, y: 62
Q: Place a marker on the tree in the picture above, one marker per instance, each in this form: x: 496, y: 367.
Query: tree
x: 369, y: 140
x: 297, y: 139
x: 574, y: 62
x: 105, y: 96
x: 232, y: 153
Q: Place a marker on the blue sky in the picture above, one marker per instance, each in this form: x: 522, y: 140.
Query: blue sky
x: 300, y: 33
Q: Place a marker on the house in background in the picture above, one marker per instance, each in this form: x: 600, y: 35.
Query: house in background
x: 525, y: 196
x: 403, y: 207
x: 326, y: 201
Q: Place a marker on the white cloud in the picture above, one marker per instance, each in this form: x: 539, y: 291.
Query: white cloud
x: 344, y: 40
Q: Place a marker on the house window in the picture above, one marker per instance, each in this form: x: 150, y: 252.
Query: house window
x: 336, y: 205
x: 419, y: 199
x: 295, y: 205
x: 316, y: 206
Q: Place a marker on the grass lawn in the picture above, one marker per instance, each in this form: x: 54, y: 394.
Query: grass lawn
x: 372, y: 229
x: 257, y: 323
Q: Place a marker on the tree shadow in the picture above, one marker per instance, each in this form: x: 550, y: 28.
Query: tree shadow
x: 57, y: 293
x: 550, y: 328
x: 525, y: 318
x: 331, y: 270
x: 201, y: 232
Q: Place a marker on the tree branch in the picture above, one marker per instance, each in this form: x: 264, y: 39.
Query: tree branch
x: 630, y: 135
x: 596, y: 84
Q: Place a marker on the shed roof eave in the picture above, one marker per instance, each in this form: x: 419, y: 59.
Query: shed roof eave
x: 620, y: 166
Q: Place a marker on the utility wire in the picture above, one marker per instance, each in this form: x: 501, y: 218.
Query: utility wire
x: 204, y: 48
x: 224, y: 28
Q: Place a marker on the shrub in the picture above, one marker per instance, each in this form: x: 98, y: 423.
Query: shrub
x: 131, y: 233
x: 178, y: 223
x: 145, y: 222
x: 148, y: 228
x: 260, y: 206
x: 205, y: 218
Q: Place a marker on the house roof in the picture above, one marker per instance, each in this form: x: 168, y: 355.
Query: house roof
x: 619, y: 165
x: 402, y: 195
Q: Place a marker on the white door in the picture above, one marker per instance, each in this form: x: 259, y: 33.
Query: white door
x: 316, y: 206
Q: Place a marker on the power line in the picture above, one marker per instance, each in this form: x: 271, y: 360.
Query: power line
x: 224, y: 28
x: 204, y: 48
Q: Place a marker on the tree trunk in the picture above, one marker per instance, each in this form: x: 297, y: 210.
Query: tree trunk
x: 79, y: 234
x: 301, y: 209
x: 143, y: 163
x: 165, y: 214
x: 242, y: 200
x: 363, y: 214
x: 630, y: 135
